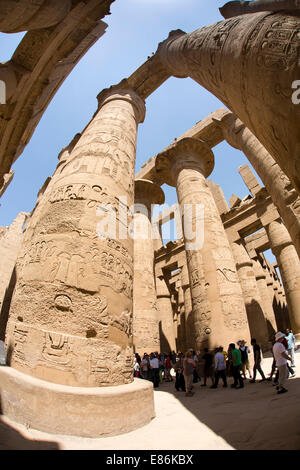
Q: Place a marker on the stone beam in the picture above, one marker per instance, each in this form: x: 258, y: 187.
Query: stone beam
x: 257, y: 243
x: 250, y: 216
x: 206, y: 130
x: 39, y: 65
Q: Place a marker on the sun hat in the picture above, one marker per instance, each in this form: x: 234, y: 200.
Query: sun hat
x: 279, y: 335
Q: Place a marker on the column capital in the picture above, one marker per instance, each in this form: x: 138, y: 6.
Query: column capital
x: 146, y: 192
x: 123, y: 91
x: 187, y: 153
x: 241, y: 255
x: 231, y: 127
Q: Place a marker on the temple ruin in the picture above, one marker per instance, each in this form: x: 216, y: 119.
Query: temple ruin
x: 86, y: 278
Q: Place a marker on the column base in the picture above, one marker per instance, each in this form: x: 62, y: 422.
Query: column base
x: 75, y: 411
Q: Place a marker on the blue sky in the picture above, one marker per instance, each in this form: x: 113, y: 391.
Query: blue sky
x: 135, y: 28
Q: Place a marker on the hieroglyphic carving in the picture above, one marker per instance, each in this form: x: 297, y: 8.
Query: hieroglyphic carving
x: 56, y: 349
x: 20, y: 338
x: 87, y: 268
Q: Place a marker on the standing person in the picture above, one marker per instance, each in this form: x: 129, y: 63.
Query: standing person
x: 145, y: 367
x: 178, y: 368
x: 220, y: 368
x: 236, y: 366
x: 281, y: 358
x: 229, y: 362
x: 188, y: 369
x: 196, y: 377
x: 154, y: 369
x: 208, y: 367
x: 168, y: 367
x: 291, y: 345
x: 136, y: 367
x: 245, y: 351
x: 257, y: 361
x: 161, y: 362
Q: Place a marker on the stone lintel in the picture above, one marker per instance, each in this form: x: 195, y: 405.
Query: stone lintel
x: 258, y: 242
x: 244, y: 220
x: 234, y: 201
x: 206, y: 129
x: 249, y: 179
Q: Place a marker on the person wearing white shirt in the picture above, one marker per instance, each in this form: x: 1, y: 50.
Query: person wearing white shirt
x: 281, y: 357
x: 220, y: 368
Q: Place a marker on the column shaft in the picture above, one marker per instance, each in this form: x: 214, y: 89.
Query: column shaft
x: 257, y: 316
x: 165, y: 312
x: 289, y: 266
x: 219, y: 314
x: 284, y: 196
x: 71, y: 315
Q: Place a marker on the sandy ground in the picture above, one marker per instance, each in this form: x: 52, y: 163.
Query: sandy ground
x: 252, y: 418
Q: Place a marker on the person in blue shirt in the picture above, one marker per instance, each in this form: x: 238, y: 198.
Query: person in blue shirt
x: 291, y: 345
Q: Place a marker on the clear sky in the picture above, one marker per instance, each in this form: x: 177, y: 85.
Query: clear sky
x: 135, y: 28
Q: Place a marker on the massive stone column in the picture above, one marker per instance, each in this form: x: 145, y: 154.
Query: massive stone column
x: 188, y: 310
x: 257, y: 317
x: 71, y: 315
x: 250, y: 63
x: 165, y: 312
x: 145, y: 313
x: 283, y: 194
x: 181, y: 325
x: 219, y: 313
x: 289, y: 266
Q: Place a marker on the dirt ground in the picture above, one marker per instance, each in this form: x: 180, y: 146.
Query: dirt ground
x: 251, y: 418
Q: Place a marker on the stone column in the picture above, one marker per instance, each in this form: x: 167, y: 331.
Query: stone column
x: 145, y: 314
x: 165, y: 313
x: 219, y: 313
x: 261, y: 280
x: 283, y: 194
x: 257, y: 317
x: 181, y: 342
x: 289, y: 266
x: 237, y: 60
x: 188, y: 311
x: 71, y: 315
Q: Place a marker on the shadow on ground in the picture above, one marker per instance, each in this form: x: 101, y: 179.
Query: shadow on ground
x: 254, y: 417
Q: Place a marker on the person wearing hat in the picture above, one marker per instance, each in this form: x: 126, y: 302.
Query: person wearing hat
x: 281, y: 357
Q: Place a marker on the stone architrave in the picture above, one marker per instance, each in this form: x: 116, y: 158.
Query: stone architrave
x: 219, y: 314
x: 71, y: 315
x: 165, y: 315
x: 257, y: 317
x: 289, y: 266
x: 237, y: 60
x: 275, y: 180
x: 145, y: 313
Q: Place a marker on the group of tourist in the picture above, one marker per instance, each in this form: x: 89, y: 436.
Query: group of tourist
x: 220, y: 364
